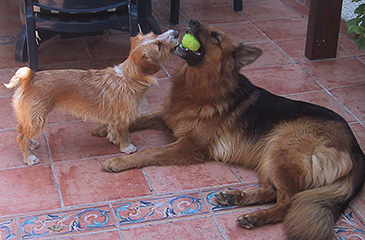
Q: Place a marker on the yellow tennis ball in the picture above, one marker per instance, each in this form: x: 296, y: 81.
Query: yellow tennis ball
x: 190, y: 42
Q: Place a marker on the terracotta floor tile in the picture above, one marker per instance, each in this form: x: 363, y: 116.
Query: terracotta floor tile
x: 359, y: 132
x: 245, y: 174
x: 350, y: 45
x: 84, y: 182
x: 359, y: 201
x: 7, y: 56
x: 283, y: 29
x: 68, y: 50
x: 11, y: 155
x: 177, y: 178
x: 5, y: 76
x: 233, y: 231
x: 150, y: 138
x: 192, y: 229
x: 296, y: 49
x: 324, y: 99
x: 9, y: 25
x: 59, y: 117
x: 244, y: 32
x: 156, y: 95
x: 8, y: 118
x: 337, y: 72
x: 172, y: 65
x: 298, y: 6
x: 73, y: 140
x: 282, y: 80
x: 213, y: 14
x: 105, y: 46
x: 272, y: 56
x: 110, y: 235
x: 9, y: 8
x: 268, y: 10
x: 83, y: 64
x: 353, y: 98
x: 27, y: 189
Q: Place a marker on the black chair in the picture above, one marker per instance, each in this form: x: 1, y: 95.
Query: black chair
x: 43, y: 19
x: 175, y: 7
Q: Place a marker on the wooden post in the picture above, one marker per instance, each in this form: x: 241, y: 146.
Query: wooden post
x: 323, y: 29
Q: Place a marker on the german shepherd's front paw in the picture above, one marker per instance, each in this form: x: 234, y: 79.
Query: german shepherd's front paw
x: 248, y: 221
x: 114, y: 165
x: 230, y: 197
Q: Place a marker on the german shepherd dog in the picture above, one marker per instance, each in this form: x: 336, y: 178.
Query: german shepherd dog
x: 307, y: 159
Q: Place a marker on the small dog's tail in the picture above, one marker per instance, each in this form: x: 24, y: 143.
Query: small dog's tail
x: 24, y: 74
x: 314, y: 213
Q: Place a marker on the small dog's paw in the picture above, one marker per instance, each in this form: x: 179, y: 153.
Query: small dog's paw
x: 128, y: 150
x: 32, y: 160
x: 33, y: 144
x: 230, y: 197
x: 100, y: 130
x: 248, y: 221
x: 112, y: 137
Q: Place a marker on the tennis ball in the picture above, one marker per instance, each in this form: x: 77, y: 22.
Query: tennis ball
x: 190, y: 42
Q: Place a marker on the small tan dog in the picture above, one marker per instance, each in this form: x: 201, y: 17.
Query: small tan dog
x: 110, y: 95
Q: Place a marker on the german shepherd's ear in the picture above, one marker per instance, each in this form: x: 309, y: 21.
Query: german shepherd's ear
x: 244, y: 55
x: 148, y: 67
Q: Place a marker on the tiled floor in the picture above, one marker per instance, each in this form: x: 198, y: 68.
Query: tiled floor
x: 69, y: 196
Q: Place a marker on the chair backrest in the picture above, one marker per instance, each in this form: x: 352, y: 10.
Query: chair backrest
x: 79, y: 6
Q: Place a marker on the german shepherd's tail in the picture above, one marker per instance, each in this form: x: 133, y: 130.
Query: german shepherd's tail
x: 314, y: 213
x: 24, y: 75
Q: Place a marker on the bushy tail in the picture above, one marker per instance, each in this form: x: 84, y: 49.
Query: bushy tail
x: 24, y: 74
x: 314, y: 212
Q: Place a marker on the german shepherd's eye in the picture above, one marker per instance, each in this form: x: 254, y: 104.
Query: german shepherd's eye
x: 216, y: 36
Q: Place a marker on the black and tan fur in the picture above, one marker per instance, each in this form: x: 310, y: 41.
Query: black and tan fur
x: 307, y: 159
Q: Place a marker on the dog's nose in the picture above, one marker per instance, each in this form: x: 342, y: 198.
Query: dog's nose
x: 194, y: 23
x: 175, y: 34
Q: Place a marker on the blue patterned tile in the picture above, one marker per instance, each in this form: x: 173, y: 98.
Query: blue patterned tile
x: 66, y: 222
x: 159, y: 208
x: 7, y: 229
x: 209, y: 196
x: 351, y: 226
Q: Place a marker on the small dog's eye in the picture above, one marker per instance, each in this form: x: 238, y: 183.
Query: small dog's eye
x: 216, y: 36
x: 159, y: 45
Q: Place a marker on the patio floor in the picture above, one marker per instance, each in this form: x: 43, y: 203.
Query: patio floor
x: 69, y: 196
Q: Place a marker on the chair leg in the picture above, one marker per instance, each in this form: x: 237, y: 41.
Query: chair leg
x: 174, y: 11
x: 31, y: 39
x: 237, y: 5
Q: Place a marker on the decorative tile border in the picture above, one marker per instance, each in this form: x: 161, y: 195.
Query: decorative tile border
x: 350, y: 226
x: 66, y: 222
x: 159, y: 208
x: 209, y: 196
x: 8, y: 229
x: 147, y: 210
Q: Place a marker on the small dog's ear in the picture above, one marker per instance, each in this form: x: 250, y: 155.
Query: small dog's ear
x: 244, y: 55
x: 148, y: 67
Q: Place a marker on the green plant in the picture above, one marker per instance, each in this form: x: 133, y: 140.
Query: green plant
x: 357, y: 25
